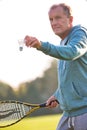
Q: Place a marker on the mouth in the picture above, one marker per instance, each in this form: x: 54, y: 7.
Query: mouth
x: 56, y: 28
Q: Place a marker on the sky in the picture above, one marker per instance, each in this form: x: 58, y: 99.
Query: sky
x: 19, y: 18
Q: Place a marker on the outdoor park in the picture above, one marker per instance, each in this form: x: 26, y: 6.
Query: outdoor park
x: 28, y: 76
x: 36, y: 123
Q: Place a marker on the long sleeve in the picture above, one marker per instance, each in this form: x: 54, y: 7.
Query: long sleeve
x: 75, y: 48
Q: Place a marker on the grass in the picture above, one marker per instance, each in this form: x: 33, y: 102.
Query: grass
x: 36, y: 123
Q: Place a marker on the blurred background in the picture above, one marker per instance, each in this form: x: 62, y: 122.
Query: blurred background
x: 30, y: 75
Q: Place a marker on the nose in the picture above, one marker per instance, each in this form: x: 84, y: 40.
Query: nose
x: 53, y: 22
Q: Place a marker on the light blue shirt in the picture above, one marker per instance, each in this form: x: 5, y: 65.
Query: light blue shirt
x: 72, y: 71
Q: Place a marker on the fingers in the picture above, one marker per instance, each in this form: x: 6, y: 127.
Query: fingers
x: 32, y: 42
x: 29, y: 41
x: 52, y: 102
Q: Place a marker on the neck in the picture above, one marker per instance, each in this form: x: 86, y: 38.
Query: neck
x: 65, y: 34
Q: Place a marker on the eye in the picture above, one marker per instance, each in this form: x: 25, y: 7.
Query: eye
x: 57, y: 17
x: 51, y: 19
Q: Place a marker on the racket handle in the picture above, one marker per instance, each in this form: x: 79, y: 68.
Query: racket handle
x: 44, y: 104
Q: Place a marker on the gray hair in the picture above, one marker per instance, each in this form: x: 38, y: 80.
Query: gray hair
x: 67, y: 9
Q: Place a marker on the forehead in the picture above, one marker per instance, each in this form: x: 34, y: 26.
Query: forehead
x: 56, y: 11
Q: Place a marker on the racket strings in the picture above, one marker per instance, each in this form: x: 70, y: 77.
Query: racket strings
x: 12, y: 112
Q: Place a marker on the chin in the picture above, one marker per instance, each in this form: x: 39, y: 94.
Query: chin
x: 57, y: 33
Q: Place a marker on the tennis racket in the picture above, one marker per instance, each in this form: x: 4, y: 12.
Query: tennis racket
x: 12, y: 112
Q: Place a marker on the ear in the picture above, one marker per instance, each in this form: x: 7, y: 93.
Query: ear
x: 71, y: 19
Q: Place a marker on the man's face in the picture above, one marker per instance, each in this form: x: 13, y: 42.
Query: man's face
x: 60, y: 22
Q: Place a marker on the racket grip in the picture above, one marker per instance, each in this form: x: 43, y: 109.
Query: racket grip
x: 44, y: 104
x: 54, y: 101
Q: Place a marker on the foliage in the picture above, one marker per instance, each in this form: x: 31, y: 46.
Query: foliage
x: 6, y: 91
x: 36, y: 91
x: 41, y: 88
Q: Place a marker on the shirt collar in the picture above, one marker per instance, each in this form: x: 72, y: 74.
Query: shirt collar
x: 64, y: 41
